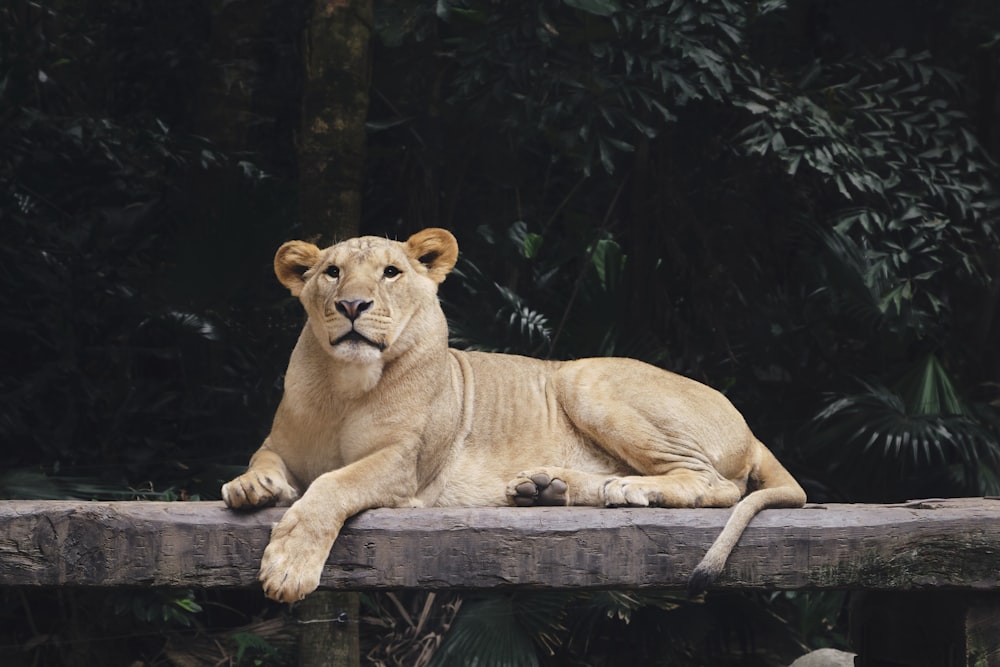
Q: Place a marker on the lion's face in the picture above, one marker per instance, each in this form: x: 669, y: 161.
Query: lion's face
x: 370, y: 299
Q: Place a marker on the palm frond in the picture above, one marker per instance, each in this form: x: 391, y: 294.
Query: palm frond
x: 928, y: 390
x: 885, y: 436
x: 487, y: 633
x: 531, y: 326
x: 503, y: 321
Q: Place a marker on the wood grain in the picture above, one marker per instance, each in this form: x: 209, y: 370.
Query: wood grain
x: 927, y: 545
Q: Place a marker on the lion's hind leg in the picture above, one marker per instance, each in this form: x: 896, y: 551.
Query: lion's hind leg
x: 680, y: 487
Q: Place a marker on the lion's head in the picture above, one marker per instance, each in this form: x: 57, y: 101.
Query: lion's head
x: 370, y: 299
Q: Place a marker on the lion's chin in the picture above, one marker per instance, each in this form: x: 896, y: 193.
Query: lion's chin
x: 357, y: 367
x: 356, y: 352
x: 354, y: 347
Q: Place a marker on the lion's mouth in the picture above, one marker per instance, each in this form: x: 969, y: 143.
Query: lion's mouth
x: 353, y: 336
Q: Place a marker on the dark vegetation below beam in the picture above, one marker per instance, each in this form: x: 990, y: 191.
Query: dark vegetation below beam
x: 934, y: 544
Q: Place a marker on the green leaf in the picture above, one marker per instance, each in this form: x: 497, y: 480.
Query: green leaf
x: 778, y: 142
x: 531, y: 245
x: 606, y: 154
x: 609, y: 262
x: 756, y: 108
x: 188, y: 604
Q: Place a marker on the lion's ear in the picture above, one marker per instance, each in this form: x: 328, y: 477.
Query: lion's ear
x: 291, y: 262
x: 436, y: 249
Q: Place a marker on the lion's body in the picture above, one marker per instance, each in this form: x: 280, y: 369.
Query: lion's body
x: 379, y: 412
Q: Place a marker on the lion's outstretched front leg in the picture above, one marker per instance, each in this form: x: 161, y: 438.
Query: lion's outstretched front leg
x: 300, y: 543
x: 264, y: 483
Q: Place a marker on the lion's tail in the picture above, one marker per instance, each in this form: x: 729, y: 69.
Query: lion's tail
x: 775, y: 488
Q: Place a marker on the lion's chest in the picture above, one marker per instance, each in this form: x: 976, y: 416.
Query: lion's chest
x: 327, y: 439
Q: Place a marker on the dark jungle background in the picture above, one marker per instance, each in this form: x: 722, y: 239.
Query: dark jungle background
x: 793, y: 201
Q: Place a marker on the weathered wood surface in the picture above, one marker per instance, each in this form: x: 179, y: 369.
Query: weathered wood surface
x: 935, y: 544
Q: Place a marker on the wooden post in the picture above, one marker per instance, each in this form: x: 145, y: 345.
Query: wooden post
x: 329, y: 621
x: 982, y: 632
x: 926, y: 629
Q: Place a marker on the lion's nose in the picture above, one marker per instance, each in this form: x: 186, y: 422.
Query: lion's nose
x: 352, y: 308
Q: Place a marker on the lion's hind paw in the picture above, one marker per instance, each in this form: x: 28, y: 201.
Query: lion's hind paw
x: 537, y: 488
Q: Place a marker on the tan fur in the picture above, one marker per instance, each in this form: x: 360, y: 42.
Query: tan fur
x: 391, y: 417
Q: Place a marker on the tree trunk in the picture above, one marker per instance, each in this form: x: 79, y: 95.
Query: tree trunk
x: 331, y: 156
x: 332, y: 137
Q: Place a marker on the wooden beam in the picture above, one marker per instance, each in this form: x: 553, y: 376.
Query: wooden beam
x: 933, y: 545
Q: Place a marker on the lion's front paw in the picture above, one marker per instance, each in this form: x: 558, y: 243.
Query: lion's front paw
x: 293, y: 560
x: 537, y: 488
x: 257, y: 489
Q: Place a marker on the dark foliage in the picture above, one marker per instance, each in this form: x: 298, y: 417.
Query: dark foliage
x: 132, y: 357
x: 792, y: 201
x: 143, y: 338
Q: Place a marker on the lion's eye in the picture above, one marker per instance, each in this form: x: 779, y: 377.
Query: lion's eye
x: 333, y: 271
x: 391, y: 271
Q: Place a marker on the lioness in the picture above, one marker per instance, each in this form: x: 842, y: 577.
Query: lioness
x: 378, y: 411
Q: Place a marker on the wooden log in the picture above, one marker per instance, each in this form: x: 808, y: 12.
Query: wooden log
x: 934, y: 545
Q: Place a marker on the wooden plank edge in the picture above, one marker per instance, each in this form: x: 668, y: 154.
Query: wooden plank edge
x: 926, y: 545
